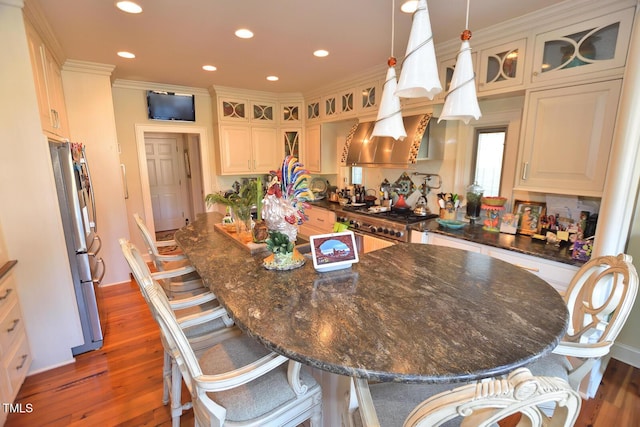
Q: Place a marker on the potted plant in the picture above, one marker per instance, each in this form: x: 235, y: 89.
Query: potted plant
x: 240, y: 204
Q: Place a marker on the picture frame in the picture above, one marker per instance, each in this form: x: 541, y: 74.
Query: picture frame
x: 333, y: 251
x: 530, y: 214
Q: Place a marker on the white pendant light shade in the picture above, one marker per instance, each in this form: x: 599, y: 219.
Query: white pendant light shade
x: 389, y: 121
x: 419, y: 75
x: 461, y: 102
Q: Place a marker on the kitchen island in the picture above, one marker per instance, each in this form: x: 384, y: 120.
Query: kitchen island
x: 408, y: 313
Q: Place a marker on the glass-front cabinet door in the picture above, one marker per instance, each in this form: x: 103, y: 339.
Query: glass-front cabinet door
x: 589, y: 46
x: 262, y: 112
x: 313, y: 110
x: 501, y: 66
x: 290, y: 112
x: 346, y: 102
x: 233, y: 109
x: 291, y: 140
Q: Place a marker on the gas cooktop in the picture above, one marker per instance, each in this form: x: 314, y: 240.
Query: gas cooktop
x: 407, y: 217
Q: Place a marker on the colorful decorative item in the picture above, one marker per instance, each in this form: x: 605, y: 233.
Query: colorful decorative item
x: 283, y: 209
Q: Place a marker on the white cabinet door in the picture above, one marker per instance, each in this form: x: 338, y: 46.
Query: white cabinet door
x: 311, y: 149
x: 235, y: 149
x: 267, y: 153
x: 567, y: 139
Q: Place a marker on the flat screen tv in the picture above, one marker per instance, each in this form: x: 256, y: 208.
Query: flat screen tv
x: 171, y: 106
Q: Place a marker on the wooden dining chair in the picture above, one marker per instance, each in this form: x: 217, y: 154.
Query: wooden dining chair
x: 238, y: 382
x: 478, y: 404
x: 204, y: 322
x: 187, y: 282
x: 599, y: 298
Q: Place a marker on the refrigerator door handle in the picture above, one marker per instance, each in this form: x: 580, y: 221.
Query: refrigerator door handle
x: 91, y: 195
x: 102, y: 273
x: 95, y: 252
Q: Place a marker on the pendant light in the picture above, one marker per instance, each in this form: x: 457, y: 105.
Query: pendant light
x: 419, y: 75
x: 389, y: 121
x: 461, y: 102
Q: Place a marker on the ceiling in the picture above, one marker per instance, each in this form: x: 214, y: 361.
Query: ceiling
x: 173, y: 39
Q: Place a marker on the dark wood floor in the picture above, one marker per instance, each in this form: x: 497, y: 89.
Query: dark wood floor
x: 120, y: 384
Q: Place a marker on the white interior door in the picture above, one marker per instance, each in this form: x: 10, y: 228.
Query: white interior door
x: 165, y: 181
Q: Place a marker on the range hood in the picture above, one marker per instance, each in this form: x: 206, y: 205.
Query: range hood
x: 363, y: 150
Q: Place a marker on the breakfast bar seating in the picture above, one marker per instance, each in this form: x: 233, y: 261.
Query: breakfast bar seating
x: 409, y: 313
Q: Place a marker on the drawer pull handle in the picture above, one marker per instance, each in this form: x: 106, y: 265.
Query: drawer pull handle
x: 15, y: 324
x: 320, y: 220
x: 22, y: 362
x: 6, y: 294
x: 524, y: 267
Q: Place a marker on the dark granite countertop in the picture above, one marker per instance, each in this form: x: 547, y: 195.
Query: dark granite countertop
x: 474, y: 233
x: 407, y: 313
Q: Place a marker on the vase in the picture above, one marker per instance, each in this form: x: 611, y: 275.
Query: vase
x: 243, y: 222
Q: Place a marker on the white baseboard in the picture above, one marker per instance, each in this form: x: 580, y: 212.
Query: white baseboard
x: 627, y: 354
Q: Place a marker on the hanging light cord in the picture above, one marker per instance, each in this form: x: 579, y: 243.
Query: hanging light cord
x: 467, y: 22
x: 393, y: 24
x: 472, y: 79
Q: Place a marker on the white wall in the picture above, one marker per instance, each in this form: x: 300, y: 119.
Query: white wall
x: 130, y: 109
x: 87, y: 92
x: 29, y: 211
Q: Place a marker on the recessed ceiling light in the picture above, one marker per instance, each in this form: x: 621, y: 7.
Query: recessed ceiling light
x: 129, y: 7
x: 209, y: 67
x: 321, y: 53
x: 273, y: 78
x: 409, y: 6
x: 243, y: 33
x: 127, y: 55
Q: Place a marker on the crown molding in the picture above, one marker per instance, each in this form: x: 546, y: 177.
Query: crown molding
x: 88, y: 67
x: 138, y: 85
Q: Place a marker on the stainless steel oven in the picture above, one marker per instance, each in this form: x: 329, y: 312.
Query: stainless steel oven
x: 378, y: 230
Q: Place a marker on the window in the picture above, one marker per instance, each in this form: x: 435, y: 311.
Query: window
x: 488, y: 155
x: 356, y: 175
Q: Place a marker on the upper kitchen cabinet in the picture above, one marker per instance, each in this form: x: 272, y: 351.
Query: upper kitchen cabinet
x: 596, y: 45
x: 48, y: 81
x: 245, y: 149
x: 313, y: 109
x: 290, y: 113
x: 249, y: 126
x: 233, y: 110
x: 567, y: 138
x: 263, y: 112
x: 502, y: 67
x: 320, y: 145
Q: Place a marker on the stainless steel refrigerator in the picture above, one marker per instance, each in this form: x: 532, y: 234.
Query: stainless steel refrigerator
x: 77, y: 209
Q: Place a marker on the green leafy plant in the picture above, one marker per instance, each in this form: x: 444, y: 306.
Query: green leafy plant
x: 240, y: 202
x: 278, y: 243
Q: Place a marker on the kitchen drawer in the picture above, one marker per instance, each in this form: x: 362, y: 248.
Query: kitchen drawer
x: 320, y: 222
x: 11, y: 327
x: 7, y: 293
x: 557, y: 274
x: 435, y: 239
x: 322, y: 219
x: 16, y: 364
